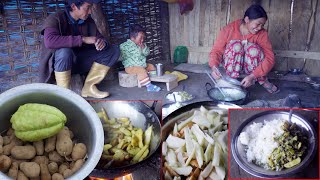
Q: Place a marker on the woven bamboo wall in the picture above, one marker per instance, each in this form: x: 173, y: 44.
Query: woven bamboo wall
x: 21, y: 21
x: 144, y: 12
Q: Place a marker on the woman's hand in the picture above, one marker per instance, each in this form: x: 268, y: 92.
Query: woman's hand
x: 215, y: 73
x: 248, y: 81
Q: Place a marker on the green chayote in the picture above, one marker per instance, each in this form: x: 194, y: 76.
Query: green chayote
x: 34, y: 122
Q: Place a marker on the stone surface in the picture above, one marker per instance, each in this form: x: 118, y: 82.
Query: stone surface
x: 127, y: 80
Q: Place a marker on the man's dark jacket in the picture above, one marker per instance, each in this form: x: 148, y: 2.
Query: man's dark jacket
x: 60, y: 21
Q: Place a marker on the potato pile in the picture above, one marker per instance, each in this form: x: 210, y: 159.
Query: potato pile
x: 56, y: 157
x: 124, y: 144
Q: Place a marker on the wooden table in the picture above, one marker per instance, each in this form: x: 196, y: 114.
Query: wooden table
x: 239, y: 116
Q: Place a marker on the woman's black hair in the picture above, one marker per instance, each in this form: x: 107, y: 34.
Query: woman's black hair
x: 255, y: 11
x: 135, y: 29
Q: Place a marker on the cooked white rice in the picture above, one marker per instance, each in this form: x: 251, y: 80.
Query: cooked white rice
x: 259, y: 138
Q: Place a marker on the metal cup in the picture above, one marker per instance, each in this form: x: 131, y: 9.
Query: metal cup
x: 159, y: 68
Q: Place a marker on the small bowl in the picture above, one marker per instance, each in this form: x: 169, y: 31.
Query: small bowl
x: 175, y: 97
x: 81, y: 117
x: 239, y: 154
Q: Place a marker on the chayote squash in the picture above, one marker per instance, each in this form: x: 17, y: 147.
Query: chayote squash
x: 34, y: 122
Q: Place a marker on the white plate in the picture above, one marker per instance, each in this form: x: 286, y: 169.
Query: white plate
x: 239, y: 154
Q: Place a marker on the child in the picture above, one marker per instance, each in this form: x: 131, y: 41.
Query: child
x: 134, y: 52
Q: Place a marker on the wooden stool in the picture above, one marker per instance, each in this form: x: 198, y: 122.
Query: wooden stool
x: 127, y: 80
x: 170, y: 80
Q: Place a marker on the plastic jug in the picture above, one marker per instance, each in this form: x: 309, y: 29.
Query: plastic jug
x: 180, y: 55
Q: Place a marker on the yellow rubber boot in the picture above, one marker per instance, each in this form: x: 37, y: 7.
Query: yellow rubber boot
x: 95, y: 76
x: 63, y: 79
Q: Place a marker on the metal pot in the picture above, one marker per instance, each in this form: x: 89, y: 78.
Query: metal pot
x: 239, y: 150
x: 295, y: 71
x: 216, y: 95
x: 140, y: 116
x: 185, y: 112
x: 82, y: 119
x: 314, y: 82
x: 178, y: 114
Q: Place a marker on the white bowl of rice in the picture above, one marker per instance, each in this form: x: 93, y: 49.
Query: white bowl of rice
x: 253, y: 142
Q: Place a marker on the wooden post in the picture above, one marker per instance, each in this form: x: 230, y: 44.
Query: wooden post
x: 1, y: 9
x: 100, y: 20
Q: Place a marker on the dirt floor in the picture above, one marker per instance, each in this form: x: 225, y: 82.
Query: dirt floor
x: 195, y: 85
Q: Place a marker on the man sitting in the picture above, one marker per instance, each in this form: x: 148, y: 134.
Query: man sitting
x: 73, y: 44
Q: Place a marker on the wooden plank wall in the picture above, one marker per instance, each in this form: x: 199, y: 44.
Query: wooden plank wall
x: 198, y: 29
x: 312, y: 66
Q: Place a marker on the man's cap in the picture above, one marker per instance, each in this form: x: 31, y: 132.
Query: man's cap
x: 80, y: 1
